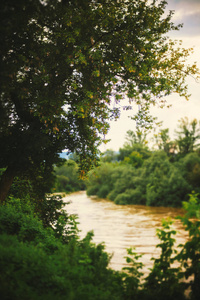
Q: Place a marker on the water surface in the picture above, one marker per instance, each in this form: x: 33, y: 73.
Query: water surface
x: 122, y: 226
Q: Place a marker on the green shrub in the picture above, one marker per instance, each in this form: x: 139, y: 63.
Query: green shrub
x: 67, y: 178
x: 112, y: 195
x: 28, y: 272
x: 167, y: 189
x: 72, y: 272
x: 99, y: 180
x: 163, y: 282
x: 190, y: 167
x: 42, y: 263
x: 92, y: 190
x: 133, y: 275
x: 23, y: 223
x: 189, y: 256
x: 136, y: 196
x: 103, y: 191
x: 122, y: 199
x: 130, y: 196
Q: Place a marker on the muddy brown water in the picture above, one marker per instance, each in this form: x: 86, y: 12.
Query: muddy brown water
x: 123, y: 226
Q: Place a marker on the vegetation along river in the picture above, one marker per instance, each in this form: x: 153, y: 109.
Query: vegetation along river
x: 123, y: 226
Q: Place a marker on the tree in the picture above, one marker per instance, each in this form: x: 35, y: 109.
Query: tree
x: 190, y: 168
x: 163, y: 140
x: 109, y: 156
x: 99, y: 181
x: 188, y: 135
x: 164, y: 143
x: 130, y: 150
x: 138, y: 137
x: 165, y: 184
x: 67, y: 179
x: 62, y: 61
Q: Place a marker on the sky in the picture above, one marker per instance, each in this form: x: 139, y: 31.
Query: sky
x: 188, y: 13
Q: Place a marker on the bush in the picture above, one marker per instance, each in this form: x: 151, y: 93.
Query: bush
x: 67, y: 178
x: 136, y: 196
x: 163, y: 282
x: 103, y: 191
x: 131, y: 196
x: 189, y: 256
x: 167, y: 189
x: 99, y: 180
x: 42, y: 263
x: 122, y: 199
x: 190, y: 167
x: 18, y: 218
x: 112, y: 195
x: 92, y: 190
x: 28, y: 272
x: 37, y: 262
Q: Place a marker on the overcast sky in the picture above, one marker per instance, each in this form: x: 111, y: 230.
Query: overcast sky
x: 188, y: 13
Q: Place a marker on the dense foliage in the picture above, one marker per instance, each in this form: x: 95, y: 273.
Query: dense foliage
x: 159, y: 177
x: 50, y: 263
x: 38, y: 262
x: 63, y: 62
x: 67, y: 178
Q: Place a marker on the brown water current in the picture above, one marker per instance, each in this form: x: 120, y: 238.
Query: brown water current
x: 123, y: 226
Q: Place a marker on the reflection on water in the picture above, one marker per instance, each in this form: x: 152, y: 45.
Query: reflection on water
x: 122, y: 226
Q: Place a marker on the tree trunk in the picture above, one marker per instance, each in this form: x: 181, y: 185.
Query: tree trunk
x: 6, y: 182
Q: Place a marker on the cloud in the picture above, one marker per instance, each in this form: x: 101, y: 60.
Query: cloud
x: 188, y: 13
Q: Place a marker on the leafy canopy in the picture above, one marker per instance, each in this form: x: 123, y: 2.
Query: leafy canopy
x: 63, y: 61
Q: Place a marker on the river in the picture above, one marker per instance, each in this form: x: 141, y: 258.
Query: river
x: 123, y: 226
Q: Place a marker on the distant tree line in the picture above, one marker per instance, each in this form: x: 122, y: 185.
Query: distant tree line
x: 162, y: 176
x: 67, y: 178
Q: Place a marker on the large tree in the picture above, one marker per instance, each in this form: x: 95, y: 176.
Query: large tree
x: 61, y: 64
